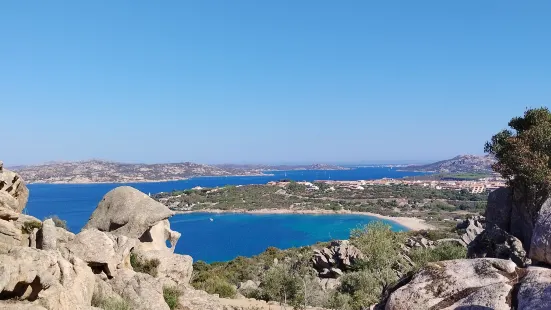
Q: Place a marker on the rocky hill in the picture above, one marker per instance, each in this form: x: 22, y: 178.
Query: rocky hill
x: 97, y: 171
x: 458, y: 164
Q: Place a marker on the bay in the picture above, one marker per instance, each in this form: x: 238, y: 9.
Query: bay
x: 229, y: 235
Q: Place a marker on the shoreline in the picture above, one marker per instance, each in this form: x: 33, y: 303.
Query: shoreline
x: 411, y: 223
x: 151, y: 181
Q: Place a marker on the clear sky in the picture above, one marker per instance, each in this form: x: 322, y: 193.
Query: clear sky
x: 281, y: 81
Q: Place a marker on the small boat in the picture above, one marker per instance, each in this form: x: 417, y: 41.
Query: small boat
x: 211, y: 219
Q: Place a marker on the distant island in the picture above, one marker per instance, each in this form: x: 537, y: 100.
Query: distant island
x: 99, y: 171
x: 458, y: 164
x: 253, y: 167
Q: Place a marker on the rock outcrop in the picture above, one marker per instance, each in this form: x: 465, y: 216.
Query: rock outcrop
x: 535, y: 290
x: 13, y: 191
x: 419, y: 242
x: 458, y: 284
x: 540, y: 248
x: 141, y: 290
x: 127, y: 211
x: 45, y: 278
x: 471, y: 228
x: 44, y: 267
x: 331, y: 261
x: 498, y: 209
x: 102, y: 251
x: 497, y: 243
x: 173, y: 269
x: 500, y: 274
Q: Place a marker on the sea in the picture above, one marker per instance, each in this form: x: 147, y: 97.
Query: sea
x: 220, y: 237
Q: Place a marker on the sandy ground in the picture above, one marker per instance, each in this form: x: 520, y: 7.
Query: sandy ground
x: 412, y: 223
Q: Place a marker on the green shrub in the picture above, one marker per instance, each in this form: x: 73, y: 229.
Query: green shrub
x: 281, y: 283
x: 142, y: 265
x: 171, y: 295
x: 436, y: 234
x: 109, y: 303
x: 379, y: 243
x: 216, y: 285
x: 339, y: 301
x: 58, y: 222
x: 29, y: 226
x: 364, y: 287
x: 446, y: 251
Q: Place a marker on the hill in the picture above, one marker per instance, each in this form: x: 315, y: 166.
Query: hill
x: 98, y: 171
x: 458, y: 164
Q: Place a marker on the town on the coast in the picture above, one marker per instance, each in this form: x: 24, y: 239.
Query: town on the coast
x: 482, y: 185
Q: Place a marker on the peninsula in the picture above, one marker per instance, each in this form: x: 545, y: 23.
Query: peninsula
x: 458, y: 164
x: 413, y: 206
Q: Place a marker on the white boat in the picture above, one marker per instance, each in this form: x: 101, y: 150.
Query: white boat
x: 211, y: 219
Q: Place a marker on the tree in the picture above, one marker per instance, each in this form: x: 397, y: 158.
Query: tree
x: 523, y: 156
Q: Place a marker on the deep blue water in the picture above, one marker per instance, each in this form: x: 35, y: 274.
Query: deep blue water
x: 229, y: 235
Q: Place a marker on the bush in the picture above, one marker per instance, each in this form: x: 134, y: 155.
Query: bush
x: 216, y: 285
x: 379, y: 243
x: 29, y: 226
x: 171, y: 295
x: 442, y: 252
x: 58, y: 222
x: 109, y: 303
x: 364, y: 287
x: 142, y: 265
x: 437, y: 234
x: 524, y: 156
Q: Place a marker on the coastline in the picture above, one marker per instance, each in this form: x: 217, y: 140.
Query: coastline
x: 154, y: 181
x: 411, y: 223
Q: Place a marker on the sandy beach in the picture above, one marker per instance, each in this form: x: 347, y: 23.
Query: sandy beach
x: 411, y: 223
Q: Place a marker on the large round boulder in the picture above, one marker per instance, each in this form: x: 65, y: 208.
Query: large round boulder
x: 127, y: 211
x: 484, y: 283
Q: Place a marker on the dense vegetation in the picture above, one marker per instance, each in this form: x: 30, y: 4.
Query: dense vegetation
x: 392, y: 200
x: 287, y: 276
x: 523, y: 156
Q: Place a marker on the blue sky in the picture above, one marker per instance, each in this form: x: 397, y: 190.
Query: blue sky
x: 266, y: 81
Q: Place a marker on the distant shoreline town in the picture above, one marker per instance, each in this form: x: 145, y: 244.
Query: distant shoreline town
x: 479, y: 186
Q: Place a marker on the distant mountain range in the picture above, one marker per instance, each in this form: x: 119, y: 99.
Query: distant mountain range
x: 98, y: 171
x: 458, y: 164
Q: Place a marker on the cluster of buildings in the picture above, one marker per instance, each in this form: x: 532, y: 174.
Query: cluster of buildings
x: 475, y: 187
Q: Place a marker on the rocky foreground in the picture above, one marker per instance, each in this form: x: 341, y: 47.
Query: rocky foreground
x: 111, y: 261
x: 509, y: 265
x: 108, y: 265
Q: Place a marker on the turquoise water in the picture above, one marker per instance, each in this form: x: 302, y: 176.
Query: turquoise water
x: 232, y: 235
x: 229, y: 235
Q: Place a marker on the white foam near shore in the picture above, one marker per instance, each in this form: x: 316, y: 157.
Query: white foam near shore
x: 411, y: 223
